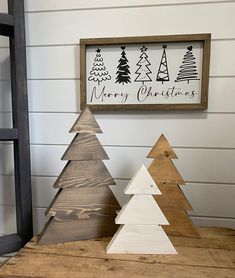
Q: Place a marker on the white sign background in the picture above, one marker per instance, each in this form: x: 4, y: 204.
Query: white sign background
x: 109, y: 92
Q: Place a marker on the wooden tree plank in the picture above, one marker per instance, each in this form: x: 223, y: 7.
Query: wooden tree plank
x: 84, y: 203
x: 140, y: 239
x: 142, y: 183
x: 85, y: 147
x: 172, y: 198
x: 180, y: 224
x: 84, y: 173
x: 164, y: 171
x: 57, y: 231
x: 162, y: 149
x: 141, y: 209
x: 86, y: 123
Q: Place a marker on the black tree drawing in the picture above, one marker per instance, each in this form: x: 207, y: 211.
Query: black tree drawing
x: 188, y: 69
x: 98, y: 72
x: 143, y: 70
x: 163, y: 74
x: 123, y: 72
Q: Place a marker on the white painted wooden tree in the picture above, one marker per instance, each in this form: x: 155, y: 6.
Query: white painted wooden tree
x: 140, y: 218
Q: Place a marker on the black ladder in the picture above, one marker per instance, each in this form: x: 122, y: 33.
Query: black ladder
x: 12, y: 25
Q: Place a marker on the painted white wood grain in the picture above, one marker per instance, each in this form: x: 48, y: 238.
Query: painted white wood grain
x: 107, y: 23
x: 55, y: 5
x: 141, y: 209
x: 140, y: 239
x: 142, y: 183
x: 63, y: 61
x: 206, y: 130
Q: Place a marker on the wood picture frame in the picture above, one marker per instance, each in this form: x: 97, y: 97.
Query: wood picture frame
x: 124, y: 73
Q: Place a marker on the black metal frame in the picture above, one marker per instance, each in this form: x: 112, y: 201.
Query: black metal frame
x: 12, y: 25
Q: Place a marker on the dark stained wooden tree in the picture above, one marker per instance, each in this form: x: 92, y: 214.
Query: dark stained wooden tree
x: 172, y: 202
x: 84, y: 207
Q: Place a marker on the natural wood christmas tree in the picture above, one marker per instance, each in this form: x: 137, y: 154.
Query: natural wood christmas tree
x: 141, y: 217
x: 84, y: 206
x: 172, y: 201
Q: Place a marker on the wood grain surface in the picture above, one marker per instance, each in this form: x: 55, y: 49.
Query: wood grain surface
x: 57, y: 231
x: 211, y: 255
x: 85, y: 147
x: 162, y: 149
x: 83, y: 203
x: 180, y: 224
x: 86, y: 123
x: 140, y: 239
x: 172, y: 198
x: 84, y: 173
x: 164, y: 171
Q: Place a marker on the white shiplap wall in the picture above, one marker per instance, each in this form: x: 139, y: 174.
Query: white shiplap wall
x: 204, y: 141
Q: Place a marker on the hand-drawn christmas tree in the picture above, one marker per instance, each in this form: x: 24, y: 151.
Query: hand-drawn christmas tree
x: 163, y: 74
x: 123, y: 72
x: 172, y: 201
x: 98, y: 72
x: 141, y: 219
x: 143, y: 70
x: 188, y: 69
x: 84, y: 207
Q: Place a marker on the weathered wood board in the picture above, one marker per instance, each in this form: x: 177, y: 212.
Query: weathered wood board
x: 84, y: 173
x: 211, y: 255
x: 56, y: 231
x: 85, y: 147
x: 83, y: 203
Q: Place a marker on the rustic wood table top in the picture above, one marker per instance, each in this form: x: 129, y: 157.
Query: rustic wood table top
x: 212, y: 255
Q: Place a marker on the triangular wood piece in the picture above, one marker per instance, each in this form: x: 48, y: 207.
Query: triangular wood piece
x: 57, y: 231
x: 84, y: 202
x: 141, y: 209
x: 164, y: 171
x: 140, y: 239
x: 86, y: 123
x: 162, y: 149
x: 172, y: 198
x: 84, y: 173
x: 142, y: 183
x: 180, y: 224
x: 85, y: 147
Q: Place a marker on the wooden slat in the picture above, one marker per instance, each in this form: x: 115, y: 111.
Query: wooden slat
x: 84, y: 173
x: 172, y: 198
x: 162, y: 149
x: 86, y: 123
x: 88, y: 259
x: 85, y: 147
x: 84, y: 203
x: 8, y: 134
x: 164, y: 171
x: 180, y: 224
x: 60, y: 231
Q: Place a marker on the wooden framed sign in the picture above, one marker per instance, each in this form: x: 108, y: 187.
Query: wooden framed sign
x: 141, y: 73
